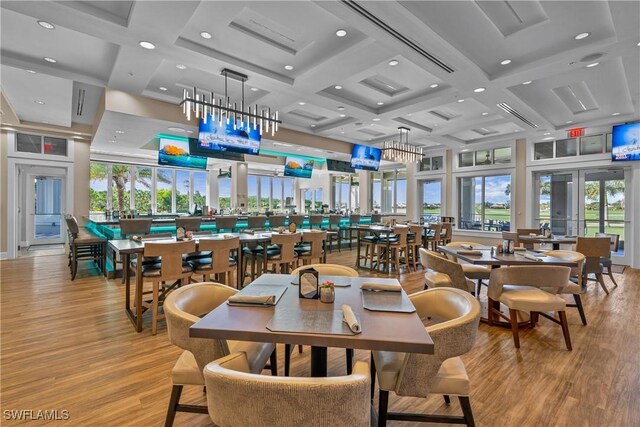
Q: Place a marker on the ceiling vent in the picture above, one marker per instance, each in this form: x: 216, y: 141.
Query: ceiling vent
x: 516, y: 114
x: 485, y: 131
x: 80, y: 103
x: 441, y: 115
x: 307, y: 115
x: 384, y: 85
x: 398, y: 36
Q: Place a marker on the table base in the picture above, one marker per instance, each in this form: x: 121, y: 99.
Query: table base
x: 318, y: 361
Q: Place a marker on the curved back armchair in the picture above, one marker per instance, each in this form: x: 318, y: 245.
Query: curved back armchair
x: 329, y: 270
x: 444, y: 267
x: 594, y: 249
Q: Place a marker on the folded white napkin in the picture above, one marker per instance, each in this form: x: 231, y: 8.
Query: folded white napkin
x: 532, y: 257
x: 519, y: 248
x: 350, y: 319
x: 389, y: 287
x: 469, y: 252
x: 253, y: 299
x: 466, y: 246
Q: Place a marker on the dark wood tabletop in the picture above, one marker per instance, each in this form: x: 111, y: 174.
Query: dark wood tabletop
x: 497, y: 260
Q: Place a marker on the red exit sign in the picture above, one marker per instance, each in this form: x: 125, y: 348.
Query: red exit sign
x: 574, y: 133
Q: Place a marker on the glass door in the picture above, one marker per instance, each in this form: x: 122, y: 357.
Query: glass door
x: 431, y: 201
x: 45, y: 210
x: 557, y: 201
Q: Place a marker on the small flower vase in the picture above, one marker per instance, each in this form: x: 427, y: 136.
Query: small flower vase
x: 327, y: 295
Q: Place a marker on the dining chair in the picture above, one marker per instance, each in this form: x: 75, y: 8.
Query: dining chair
x: 184, y: 307
x: 594, y: 249
x: 276, y: 221
x: 226, y: 224
x: 298, y: 220
x: 312, y: 247
x: 223, y: 261
x: 258, y: 222
x: 189, y: 223
x: 398, y: 248
x: 443, y: 272
x: 285, y: 255
x: 285, y: 401
x: 334, y: 232
x: 419, y: 375
x: 606, y: 261
x: 446, y: 233
x: 519, y: 288
x: 414, y: 240
x: 433, y: 236
x: 170, y: 267
x: 526, y: 232
x: 479, y: 273
x: 84, y: 246
x: 572, y: 288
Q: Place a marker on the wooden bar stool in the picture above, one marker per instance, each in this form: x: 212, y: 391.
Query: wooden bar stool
x: 222, y: 263
x: 285, y: 256
x: 276, y: 221
x: 315, y: 221
x: 226, y: 224
x: 312, y: 247
x: 84, y: 247
x: 298, y: 220
x: 334, y: 232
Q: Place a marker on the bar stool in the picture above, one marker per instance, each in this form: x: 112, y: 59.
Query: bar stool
x: 285, y: 256
x: 221, y: 263
x: 189, y: 223
x: 312, y: 247
x: 354, y: 220
x: 128, y: 228
x: 84, y: 247
x: 414, y: 240
x: 226, y: 224
x: 376, y: 218
x: 257, y: 222
x: 397, y: 246
x: 276, y: 221
x: 433, y: 236
x: 298, y: 220
x: 315, y: 221
x: 334, y: 232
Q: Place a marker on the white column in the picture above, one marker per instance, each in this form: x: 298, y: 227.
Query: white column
x: 412, y: 191
x: 364, y: 178
x: 212, y: 190
x: 239, y: 186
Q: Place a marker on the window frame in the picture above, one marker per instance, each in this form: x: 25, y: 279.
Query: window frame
x: 394, y: 202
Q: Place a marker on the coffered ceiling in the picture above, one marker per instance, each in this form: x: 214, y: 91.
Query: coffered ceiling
x: 401, y: 63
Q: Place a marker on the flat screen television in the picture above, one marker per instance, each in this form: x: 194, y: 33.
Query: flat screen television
x: 243, y: 139
x: 339, y: 166
x: 194, y: 148
x: 173, y: 152
x: 365, y: 157
x: 297, y: 167
x: 625, y: 142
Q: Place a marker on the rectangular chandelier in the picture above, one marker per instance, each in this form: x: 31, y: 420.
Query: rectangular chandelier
x: 401, y: 151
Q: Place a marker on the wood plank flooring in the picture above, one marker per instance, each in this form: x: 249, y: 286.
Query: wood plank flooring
x: 69, y: 346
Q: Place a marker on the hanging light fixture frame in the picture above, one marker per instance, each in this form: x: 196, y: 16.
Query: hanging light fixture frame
x: 401, y: 150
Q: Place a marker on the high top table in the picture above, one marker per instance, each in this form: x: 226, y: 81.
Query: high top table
x: 386, y: 331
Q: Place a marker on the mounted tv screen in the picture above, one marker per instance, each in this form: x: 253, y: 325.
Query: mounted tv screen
x: 625, y: 142
x: 194, y: 147
x: 339, y: 166
x: 243, y: 139
x: 173, y: 152
x: 297, y: 167
x: 365, y: 157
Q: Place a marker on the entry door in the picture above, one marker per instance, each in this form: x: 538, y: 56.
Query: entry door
x: 45, y: 210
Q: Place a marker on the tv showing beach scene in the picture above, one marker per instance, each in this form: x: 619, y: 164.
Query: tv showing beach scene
x: 173, y: 152
x: 298, y: 168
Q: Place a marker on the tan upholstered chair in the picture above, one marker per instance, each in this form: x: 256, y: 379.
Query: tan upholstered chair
x: 84, y: 246
x: 276, y: 221
x: 312, y: 246
x: 257, y: 222
x: 419, y: 375
x: 433, y: 236
x: 473, y: 272
x: 442, y: 272
x: 189, y: 223
x: 574, y: 286
x: 594, y: 249
x: 414, y: 241
x: 226, y: 224
x: 285, y: 401
x: 183, y: 308
x: 398, y: 248
x: 221, y: 262
x: 606, y: 261
x: 446, y: 233
x: 519, y: 288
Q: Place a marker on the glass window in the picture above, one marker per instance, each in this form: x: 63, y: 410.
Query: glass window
x: 55, y: 146
x: 502, y: 155
x: 485, y: 203
x: 224, y: 193
x: 252, y: 193
x: 376, y: 191
x: 436, y: 163
x: 308, y: 200
x: 566, y: 147
x: 164, y: 192
x: 142, y: 189
x: 483, y: 157
x: 388, y: 187
x: 182, y: 191
x: 318, y: 199
x: 465, y: 159
x: 98, y: 183
x: 591, y: 144
x: 288, y: 193
x: 401, y: 192
x: 200, y: 189
x: 28, y: 143
x: 425, y: 164
x: 609, y: 139
x: 355, y: 192
x: 265, y: 193
x: 341, y: 184
x: 543, y: 150
x: 276, y: 194
x: 431, y: 200
x: 121, y: 187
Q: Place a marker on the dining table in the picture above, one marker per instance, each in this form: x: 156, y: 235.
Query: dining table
x: 555, y: 241
x: 380, y: 330
x: 131, y: 247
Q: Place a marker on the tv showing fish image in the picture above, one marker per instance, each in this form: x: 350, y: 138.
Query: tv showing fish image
x: 298, y: 167
x: 227, y: 134
x: 173, y: 152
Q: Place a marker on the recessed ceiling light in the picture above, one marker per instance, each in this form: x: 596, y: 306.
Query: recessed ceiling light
x: 380, y: 103
x: 119, y: 132
x: 45, y: 122
x: 528, y: 82
x: 205, y: 35
x: 342, y: 132
x: 288, y: 67
x: 581, y: 36
x: 301, y: 103
x: 638, y: 44
x: 547, y: 133
x: 113, y: 141
x: 548, y: 138
x: 505, y: 62
x: 377, y: 119
x: 394, y: 62
x: 181, y: 67
x: 189, y: 131
x: 343, y: 115
x: 162, y: 88
x: 517, y: 130
x: 569, y: 122
x: 460, y: 100
x: 615, y: 114
x: 39, y: 102
x: 341, y: 108
x: 47, y: 25
x: 175, y: 129
x: 147, y: 45
x: 593, y: 64
x: 435, y: 125
x: 485, y: 114
x: 433, y: 85
x: 53, y: 61
x: 254, y: 89
x: 464, y: 150
x: 341, y: 33
x: 338, y: 87
x: 480, y: 89
x: 30, y: 71
x: 313, y: 126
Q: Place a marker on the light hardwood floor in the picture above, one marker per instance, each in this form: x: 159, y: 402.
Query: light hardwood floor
x: 69, y: 346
